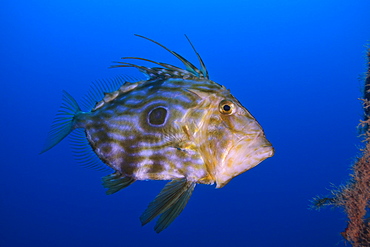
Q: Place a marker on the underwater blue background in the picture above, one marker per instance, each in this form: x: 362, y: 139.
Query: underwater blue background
x: 296, y: 65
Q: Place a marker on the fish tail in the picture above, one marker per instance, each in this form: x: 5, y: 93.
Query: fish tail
x: 64, y: 122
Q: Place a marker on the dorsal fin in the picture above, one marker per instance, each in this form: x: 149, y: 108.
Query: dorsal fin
x: 189, y: 66
x: 155, y: 72
x: 203, y: 66
x: 168, y: 66
x: 100, y: 88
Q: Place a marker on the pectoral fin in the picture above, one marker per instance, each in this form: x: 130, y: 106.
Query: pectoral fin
x: 170, y: 202
x: 115, y: 182
x: 170, y: 215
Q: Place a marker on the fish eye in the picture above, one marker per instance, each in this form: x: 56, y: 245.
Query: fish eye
x: 157, y: 116
x: 227, y: 107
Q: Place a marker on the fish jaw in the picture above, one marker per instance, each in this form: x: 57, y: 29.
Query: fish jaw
x: 242, y: 156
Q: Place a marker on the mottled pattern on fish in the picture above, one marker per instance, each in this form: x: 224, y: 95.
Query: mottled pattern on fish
x: 123, y: 136
x: 177, y: 125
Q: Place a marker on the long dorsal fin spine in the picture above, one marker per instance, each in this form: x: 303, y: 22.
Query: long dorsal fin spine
x: 203, y: 66
x: 189, y: 66
x: 192, y: 68
x: 168, y: 66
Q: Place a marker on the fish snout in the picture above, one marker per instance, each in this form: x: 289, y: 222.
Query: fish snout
x: 243, y: 156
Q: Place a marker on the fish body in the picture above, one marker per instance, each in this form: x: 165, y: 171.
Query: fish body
x: 177, y: 125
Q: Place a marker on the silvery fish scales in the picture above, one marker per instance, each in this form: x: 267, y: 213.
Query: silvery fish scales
x: 177, y: 125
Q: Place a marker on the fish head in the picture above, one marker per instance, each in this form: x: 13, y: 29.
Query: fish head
x: 234, y: 141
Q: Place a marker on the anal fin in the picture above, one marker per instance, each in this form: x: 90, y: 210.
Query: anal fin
x: 115, y: 182
x: 170, y: 202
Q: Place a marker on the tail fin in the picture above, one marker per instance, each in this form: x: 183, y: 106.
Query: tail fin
x: 63, y: 123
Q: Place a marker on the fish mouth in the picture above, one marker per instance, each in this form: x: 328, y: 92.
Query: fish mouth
x: 243, y: 156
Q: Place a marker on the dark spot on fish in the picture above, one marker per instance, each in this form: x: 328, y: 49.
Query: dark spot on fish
x: 129, y: 169
x: 157, y: 116
x: 156, y: 168
x: 106, y: 149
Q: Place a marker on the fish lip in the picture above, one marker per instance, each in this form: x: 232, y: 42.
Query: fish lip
x: 266, y: 148
x: 260, y: 136
x: 243, y: 155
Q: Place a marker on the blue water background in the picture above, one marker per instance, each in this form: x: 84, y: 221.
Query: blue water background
x: 294, y: 64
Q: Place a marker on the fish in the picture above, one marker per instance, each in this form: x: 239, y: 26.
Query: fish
x: 175, y: 125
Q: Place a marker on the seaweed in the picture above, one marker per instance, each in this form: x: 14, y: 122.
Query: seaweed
x: 354, y: 197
